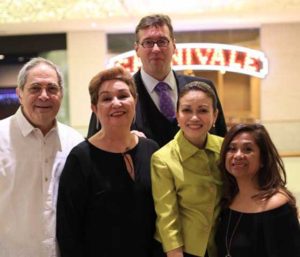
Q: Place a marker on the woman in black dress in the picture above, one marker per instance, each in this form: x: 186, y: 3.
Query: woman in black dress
x: 105, y: 206
x: 259, y: 217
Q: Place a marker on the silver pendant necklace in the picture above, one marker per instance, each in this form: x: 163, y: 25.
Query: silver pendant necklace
x: 228, y: 240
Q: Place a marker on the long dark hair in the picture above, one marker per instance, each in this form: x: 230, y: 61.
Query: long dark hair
x: 271, y: 177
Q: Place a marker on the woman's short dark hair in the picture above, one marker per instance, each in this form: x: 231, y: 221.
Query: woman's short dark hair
x: 115, y: 73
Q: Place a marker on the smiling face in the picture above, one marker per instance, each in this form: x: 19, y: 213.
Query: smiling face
x: 243, y: 156
x: 196, y: 116
x: 116, y: 105
x: 41, y: 108
x: 156, y: 60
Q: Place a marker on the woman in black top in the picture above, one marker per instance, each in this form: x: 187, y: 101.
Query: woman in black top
x: 259, y: 216
x: 105, y: 206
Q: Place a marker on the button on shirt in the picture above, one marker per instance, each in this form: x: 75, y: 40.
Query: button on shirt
x: 186, y: 185
x: 30, y: 167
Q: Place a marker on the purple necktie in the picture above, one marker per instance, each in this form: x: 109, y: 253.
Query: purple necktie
x: 166, y: 105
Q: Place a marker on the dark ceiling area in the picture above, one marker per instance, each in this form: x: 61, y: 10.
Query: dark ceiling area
x: 19, y: 49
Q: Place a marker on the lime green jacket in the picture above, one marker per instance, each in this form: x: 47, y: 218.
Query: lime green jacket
x: 186, y: 186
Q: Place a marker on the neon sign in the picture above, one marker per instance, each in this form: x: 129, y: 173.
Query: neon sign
x: 202, y: 56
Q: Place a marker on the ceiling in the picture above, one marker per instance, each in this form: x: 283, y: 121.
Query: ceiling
x: 48, y: 16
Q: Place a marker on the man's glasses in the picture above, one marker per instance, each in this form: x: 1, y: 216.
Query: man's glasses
x: 50, y: 89
x: 148, y: 43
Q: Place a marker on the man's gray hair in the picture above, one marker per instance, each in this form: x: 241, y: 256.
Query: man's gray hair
x: 23, y: 73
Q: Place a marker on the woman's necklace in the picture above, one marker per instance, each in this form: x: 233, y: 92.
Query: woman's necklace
x: 228, y: 240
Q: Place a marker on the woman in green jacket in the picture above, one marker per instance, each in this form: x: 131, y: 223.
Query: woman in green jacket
x: 186, y: 182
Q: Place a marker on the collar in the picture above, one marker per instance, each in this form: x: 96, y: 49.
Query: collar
x: 26, y: 127
x: 187, y: 149
x: 151, y: 82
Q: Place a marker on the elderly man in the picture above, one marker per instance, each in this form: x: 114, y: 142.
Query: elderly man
x: 33, y: 150
x: 155, y: 111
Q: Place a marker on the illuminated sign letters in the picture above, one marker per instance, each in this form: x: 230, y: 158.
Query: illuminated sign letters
x: 198, y: 56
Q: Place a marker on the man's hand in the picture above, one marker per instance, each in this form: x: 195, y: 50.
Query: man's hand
x: 175, y: 253
x: 138, y: 133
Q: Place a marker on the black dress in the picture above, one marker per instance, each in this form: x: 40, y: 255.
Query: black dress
x: 273, y: 233
x: 101, y: 211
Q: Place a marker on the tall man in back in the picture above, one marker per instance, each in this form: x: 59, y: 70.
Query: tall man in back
x: 33, y: 150
x: 155, y: 46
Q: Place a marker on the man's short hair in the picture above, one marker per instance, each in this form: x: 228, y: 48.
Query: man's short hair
x: 154, y: 20
x: 23, y: 73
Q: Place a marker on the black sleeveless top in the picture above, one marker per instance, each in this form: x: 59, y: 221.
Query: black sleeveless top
x: 273, y: 233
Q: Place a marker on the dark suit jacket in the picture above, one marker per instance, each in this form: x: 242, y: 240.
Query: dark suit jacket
x: 152, y: 122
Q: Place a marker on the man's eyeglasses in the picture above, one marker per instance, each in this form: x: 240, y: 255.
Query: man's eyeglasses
x: 148, y: 43
x: 50, y: 89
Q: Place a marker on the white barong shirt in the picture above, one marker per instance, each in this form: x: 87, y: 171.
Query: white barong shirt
x: 30, y: 167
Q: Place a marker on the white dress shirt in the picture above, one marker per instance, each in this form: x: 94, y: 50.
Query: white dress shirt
x: 30, y: 167
x: 151, y: 82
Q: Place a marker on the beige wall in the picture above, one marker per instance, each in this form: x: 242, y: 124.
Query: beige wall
x: 280, y: 94
x: 86, y: 57
x: 280, y: 90
x: 292, y: 166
